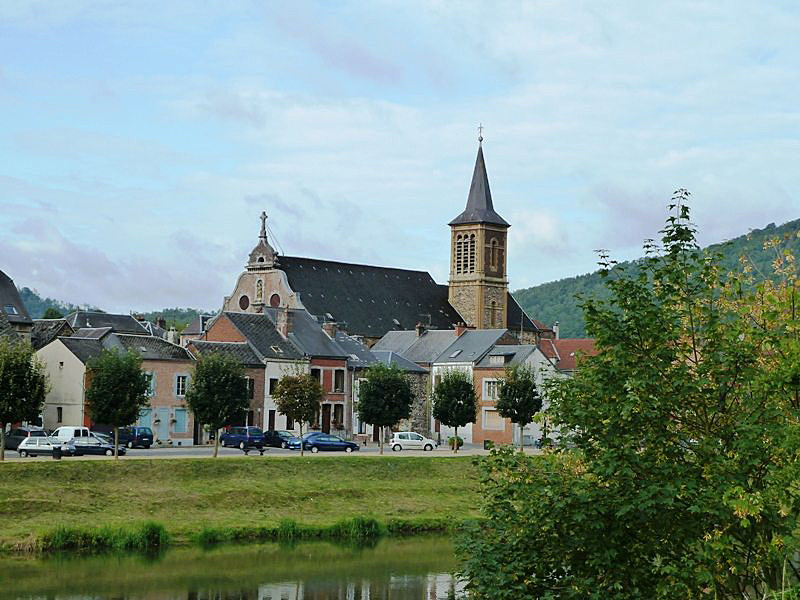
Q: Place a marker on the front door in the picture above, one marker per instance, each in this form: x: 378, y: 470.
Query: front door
x: 326, y: 418
x: 162, y: 429
x: 271, y: 421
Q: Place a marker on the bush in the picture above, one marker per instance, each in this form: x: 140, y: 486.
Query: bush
x: 452, y: 440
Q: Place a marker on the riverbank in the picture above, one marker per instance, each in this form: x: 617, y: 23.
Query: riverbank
x: 207, y: 500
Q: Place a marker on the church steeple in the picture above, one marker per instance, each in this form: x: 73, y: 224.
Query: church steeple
x: 479, y: 202
x: 263, y: 255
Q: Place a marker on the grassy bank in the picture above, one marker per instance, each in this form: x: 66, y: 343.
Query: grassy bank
x: 63, y: 504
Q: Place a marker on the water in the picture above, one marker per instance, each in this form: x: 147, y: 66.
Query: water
x: 395, y: 569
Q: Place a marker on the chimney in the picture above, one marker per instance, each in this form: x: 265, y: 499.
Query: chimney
x: 161, y: 322
x: 330, y: 327
x: 420, y: 329
x: 555, y: 329
x: 460, y: 328
x: 285, y: 321
x: 172, y: 335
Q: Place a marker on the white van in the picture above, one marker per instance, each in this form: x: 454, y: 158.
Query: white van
x: 80, y: 436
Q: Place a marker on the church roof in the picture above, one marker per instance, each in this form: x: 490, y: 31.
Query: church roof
x: 479, y: 202
x: 516, y: 317
x: 369, y: 300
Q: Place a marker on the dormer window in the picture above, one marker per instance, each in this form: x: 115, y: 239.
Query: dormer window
x: 10, y: 309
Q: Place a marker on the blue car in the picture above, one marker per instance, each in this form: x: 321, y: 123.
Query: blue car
x: 316, y: 441
x: 243, y: 437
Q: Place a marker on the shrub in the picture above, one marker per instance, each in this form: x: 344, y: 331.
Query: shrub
x: 452, y: 440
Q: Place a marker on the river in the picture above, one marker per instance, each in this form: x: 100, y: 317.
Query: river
x: 393, y: 569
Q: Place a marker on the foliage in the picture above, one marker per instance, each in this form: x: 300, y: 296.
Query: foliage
x: 38, y: 306
x: 217, y: 391
x: 454, y: 401
x: 52, y: 313
x: 175, y: 317
x: 118, y: 390
x: 556, y: 300
x: 452, y: 440
x: 23, y: 385
x: 384, y: 397
x: 518, y: 399
x: 680, y: 478
x: 298, y: 397
x: 147, y: 537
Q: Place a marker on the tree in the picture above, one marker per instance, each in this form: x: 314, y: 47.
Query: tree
x: 518, y: 399
x: 217, y: 392
x: 52, y: 313
x: 23, y: 385
x: 454, y: 402
x: 118, y: 390
x: 678, y: 479
x: 298, y: 397
x: 384, y: 397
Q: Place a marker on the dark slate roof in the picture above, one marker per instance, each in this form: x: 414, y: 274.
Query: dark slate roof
x: 198, y: 324
x: 359, y: 356
x: 471, y: 346
x: 260, y: 331
x: 369, y: 300
x: 241, y: 351
x: 46, y: 330
x: 118, y: 323
x: 515, y: 315
x: 85, y: 349
x: 479, y: 202
x: 6, y: 330
x: 425, y: 348
x: 517, y: 354
x: 307, y: 335
x: 391, y: 358
x: 149, y: 347
x: 11, y: 303
x: 95, y: 333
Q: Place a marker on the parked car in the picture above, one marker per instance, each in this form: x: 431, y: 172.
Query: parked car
x: 14, y: 438
x: 243, y: 437
x: 71, y: 432
x: 410, y: 440
x: 97, y: 445
x: 136, y: 437
x: 316, y: 441
x: 279, y: 439
x: 38, y: 445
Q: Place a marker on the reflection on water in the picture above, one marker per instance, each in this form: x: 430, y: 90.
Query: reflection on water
x: 407, y: 569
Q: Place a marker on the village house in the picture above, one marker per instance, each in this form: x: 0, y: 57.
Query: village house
x: 15, y: 322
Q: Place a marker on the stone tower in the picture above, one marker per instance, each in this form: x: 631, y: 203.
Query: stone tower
x: 478, y: 286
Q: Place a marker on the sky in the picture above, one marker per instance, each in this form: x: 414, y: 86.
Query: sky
x: 141, y: 140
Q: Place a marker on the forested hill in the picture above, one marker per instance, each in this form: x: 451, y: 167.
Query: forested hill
x: 555, y: 301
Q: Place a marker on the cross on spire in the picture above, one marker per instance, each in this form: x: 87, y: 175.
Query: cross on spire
x: 480, y: 133
x: 263, y: 234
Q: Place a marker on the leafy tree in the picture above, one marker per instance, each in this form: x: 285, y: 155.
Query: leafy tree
x: 298, y: 397
x: 518, y: 398
x: 680, y: 475
x: 117, y: 391
x: 217, y: 391
x: 23, y: 385
x: 454, y: 402
x: 52, y: 313
x: 384, y: 397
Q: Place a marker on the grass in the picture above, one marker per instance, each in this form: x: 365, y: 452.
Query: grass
x: 52, y: 504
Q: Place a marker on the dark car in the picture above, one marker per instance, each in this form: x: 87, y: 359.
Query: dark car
x: 136, y: 437
x: 14, y: 438
x: 317, y: 441
x: 243, y: 437
x: 279, y: 439
x: 96, y: 445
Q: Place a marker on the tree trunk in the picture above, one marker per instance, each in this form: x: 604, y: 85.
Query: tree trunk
x: 216, y: 444
x: 521, y: 437
x: 380, y: 438
x: 301, y: 438
x: 116, y: 443
x: 2, y: 441
x: 455, y: 441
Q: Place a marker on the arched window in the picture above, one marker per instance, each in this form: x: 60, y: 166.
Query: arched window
x: 471, y: 253
x: 494, y: 254
x: 493, y: 316
x: 459, y: 254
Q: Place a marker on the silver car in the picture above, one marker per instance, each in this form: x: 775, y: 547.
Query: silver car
x: 410, y: 440
x: 34, y: 446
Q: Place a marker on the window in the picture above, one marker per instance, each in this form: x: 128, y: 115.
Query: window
x: 492, y: 390
x: 273, y: 383
x: 180, y: 385
x: 338, y: 380
x: 415, y: 436
x: 338, y: 414
x: 289, y: 423
x: 59, y: 414
x: 492, y: 420
x: 362, y: 427
x: 493, y: 317
x: 10, y: 309
x: 316, y: 374
x: 151, y: 383
x: 180, y: 420
x: 471, y: 266
x: 251, y: 387
x: 459, y: 254
x: 402, y: 436
x: 494, y: 254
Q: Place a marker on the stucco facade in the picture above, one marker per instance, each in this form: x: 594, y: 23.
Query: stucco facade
x: 64, y: 404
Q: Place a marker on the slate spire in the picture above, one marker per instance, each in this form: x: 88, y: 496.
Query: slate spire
x: 479, y: 202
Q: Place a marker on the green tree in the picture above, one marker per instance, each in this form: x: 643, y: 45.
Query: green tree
x: 52, y: 313
x: 518, y: 397
x: 23, y: 386
x: 217, y: 392
x: 454, y: 402
x: 384, y: 397
x: 118, y: 390
x: 679, y: 479
x: 298, y: 397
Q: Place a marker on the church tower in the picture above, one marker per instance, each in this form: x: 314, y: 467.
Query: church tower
x: 478, y: 286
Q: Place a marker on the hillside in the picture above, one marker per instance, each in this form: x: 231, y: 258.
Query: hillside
x: 555, y: 301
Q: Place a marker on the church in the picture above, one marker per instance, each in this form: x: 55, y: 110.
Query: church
x: 370, y: 301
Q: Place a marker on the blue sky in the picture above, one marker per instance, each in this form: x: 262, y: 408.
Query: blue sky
x: 141, y: 140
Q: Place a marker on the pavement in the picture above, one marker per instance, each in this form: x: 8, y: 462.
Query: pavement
x: 208, y: 452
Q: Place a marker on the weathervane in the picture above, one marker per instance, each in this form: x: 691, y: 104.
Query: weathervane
x: 480, y: 133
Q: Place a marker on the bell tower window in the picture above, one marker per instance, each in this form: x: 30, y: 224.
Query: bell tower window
x: 471, y: 267
x: 493, y: 316
x: 494, y: 254
x: 459, y: 254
